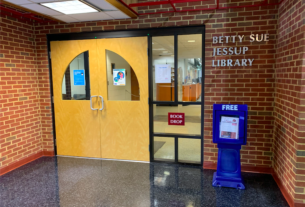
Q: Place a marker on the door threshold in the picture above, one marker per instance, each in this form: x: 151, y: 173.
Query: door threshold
x: 94, y: 158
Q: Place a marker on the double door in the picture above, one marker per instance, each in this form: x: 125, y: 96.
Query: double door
x: 100, y: 98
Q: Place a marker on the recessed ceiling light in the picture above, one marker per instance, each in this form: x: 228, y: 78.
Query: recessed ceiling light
x: 165, y: 51
x: 191, y: 41
x: 70, y: 7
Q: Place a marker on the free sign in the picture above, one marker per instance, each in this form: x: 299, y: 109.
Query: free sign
x: 229, y: 107
x: 176, y: 118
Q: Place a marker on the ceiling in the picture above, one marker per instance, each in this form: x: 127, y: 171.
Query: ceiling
x: 108, y: 11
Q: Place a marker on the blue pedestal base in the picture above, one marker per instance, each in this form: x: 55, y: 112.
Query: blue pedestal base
x: 219, y: 181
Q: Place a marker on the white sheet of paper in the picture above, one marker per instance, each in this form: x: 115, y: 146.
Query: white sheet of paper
x: 163, y: 74
x: 229, y: 127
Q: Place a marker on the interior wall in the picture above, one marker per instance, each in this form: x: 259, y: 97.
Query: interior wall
x: 20, y: 107
x: 289, y: 123
x: 276, y: 127
x: 252, y: 85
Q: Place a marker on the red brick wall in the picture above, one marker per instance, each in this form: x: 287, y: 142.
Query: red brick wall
x: 289, y: 129
x: 20, y: 121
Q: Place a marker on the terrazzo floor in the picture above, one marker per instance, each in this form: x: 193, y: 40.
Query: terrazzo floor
x: 63, y: 181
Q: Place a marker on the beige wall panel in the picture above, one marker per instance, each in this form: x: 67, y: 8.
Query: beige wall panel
x: 77, y: 126
x: 125, y: 124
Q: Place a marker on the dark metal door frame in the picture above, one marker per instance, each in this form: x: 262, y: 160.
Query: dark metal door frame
x: 201, y: 30
x: 140, y: 33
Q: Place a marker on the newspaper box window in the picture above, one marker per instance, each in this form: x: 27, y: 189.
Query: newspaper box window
x: 229, y: 132
x: 229, y: 127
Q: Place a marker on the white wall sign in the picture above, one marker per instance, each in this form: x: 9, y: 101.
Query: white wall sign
x: 163, y: 74
x: 223, y: 51
x: 119, y: 77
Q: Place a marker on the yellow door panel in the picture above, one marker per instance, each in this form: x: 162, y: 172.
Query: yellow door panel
x: 125, y: 124
x: 77, y: 126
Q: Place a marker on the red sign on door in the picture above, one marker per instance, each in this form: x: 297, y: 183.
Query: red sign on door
x: 175, y: 118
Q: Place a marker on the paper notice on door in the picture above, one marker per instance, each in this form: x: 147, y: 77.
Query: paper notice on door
x: 79, y: 77
x: 119, y: 77
x: 163, y: 74
x: 229, y: 127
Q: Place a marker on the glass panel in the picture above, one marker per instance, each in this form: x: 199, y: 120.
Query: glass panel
x: 189, y: 150
x: 163, y: 68
x: 76, y: 84
x: 192, y: 125
x: 189, y: 67
x: 122, y: 81
x: 164, y: 148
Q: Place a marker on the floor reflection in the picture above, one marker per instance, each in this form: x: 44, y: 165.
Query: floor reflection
x: 88, y: 182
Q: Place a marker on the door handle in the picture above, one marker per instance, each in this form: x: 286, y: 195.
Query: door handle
x: 91, y: 103
x: 102, y: 100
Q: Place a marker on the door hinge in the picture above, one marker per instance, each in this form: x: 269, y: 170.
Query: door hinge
x: 50, y: 54
x: 52, y: 99
x: 147, y: 52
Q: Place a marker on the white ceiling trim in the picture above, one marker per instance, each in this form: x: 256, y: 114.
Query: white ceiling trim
x: 41, y: 9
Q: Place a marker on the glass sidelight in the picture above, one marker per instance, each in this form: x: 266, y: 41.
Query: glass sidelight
x: 164, y: 149
x: 192, y: 119
x: 177, y: 149
x: 176, y: 88
x: 189, y: 67
x: 163, y: 64
x: 189, y: 150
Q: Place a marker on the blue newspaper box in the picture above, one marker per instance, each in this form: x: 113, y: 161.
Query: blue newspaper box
x: 229, y: 132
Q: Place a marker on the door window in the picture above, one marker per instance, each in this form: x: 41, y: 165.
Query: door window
x: 76, y: 81
x: 122, y: 81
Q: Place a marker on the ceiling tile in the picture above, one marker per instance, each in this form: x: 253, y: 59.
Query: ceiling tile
x: 41, y: 9
x: 19, y: 2
x: 102, y: 4
x: 66, y: 18
x: 91, y: 16
x: 117, y: 14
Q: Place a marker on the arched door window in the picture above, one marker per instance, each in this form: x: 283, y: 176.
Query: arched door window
x: 76, y: 81
x: 122, y: 81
